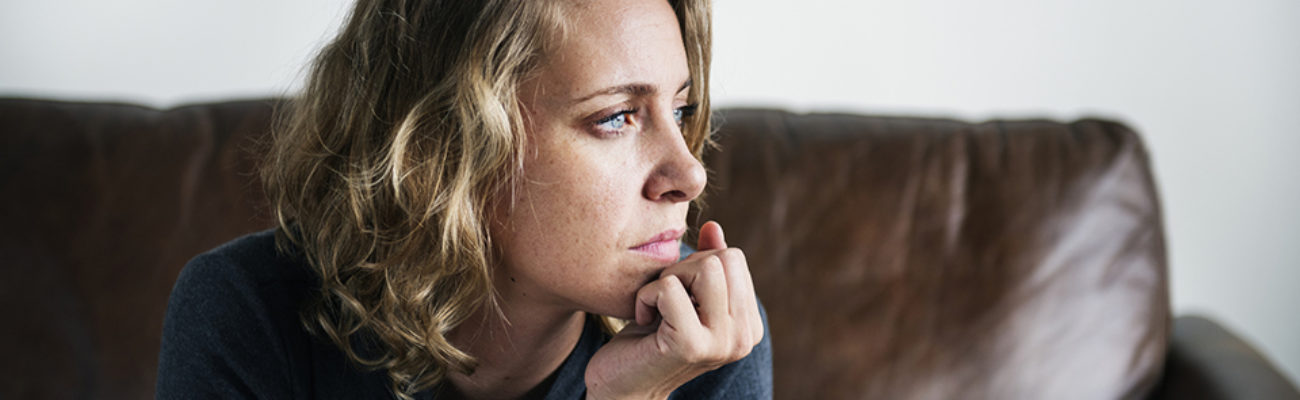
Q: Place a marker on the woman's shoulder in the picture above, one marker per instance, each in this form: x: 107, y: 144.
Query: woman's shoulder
x: 234, y: 311
x: 241, y: 285
x: 251, y: 259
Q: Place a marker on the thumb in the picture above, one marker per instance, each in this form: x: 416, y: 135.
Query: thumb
x: 711, y: 237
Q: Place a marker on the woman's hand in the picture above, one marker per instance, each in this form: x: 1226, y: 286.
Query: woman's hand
x: 699, y: 315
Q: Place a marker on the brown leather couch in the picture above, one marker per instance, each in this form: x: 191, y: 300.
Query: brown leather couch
x: 898, y: 258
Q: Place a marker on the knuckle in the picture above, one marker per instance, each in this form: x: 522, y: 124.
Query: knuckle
x: 671, y: 282
x: 735, y: 260
x: 704, y: 352
x: 744, y: 336
x: 733, y: 253
x: 720, y: 356
x: 653, y: 287
x: 743, y: 343
x: 740, y: 350
x: 666, y: 286
x: 712, y: 260
x: 713, y: 266
x: 693, y: 352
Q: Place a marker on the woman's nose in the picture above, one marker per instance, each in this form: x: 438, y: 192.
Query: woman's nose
x: 677, y: 175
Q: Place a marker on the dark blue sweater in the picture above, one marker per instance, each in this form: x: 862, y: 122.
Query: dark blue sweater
x: 233, y: 331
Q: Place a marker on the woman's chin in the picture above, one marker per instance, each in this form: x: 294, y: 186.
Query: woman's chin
x: 616, y: 296
x: 621, y: 309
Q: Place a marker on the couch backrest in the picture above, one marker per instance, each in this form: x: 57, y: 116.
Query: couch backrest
x: 903, y: 258
x: 897, y: 258
x: 103, y: 204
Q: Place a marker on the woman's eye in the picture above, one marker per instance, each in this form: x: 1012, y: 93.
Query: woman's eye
x: 680, y: 114
x: 615, y: 121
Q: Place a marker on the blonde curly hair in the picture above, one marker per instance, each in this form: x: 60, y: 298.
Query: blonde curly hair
x: 382, y: 171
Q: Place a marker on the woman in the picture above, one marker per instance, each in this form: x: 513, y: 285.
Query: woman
x: 462, y: 188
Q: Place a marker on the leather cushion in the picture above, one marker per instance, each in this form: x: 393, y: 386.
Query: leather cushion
x: 924, y: 258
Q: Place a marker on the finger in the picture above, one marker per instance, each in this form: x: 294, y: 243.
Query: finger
x: 705, y: 280
x: 738, y: 281
x: 647, y: 303
x: 743, y: 301
x: 711, y: 237
x: 649, y: 297
x: 674, y: 305
x: 683, y: 269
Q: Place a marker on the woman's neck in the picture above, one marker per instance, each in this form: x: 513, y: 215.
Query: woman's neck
x: 514, y: 357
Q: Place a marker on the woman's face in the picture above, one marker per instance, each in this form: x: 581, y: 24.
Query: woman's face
x: 608, y: 176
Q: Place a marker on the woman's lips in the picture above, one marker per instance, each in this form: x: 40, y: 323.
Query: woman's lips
x: 662, y: 247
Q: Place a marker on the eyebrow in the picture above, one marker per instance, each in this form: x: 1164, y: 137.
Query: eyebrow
x: 634, y: 89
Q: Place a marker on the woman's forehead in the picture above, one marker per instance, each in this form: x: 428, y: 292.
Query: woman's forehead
x: 614, y: 43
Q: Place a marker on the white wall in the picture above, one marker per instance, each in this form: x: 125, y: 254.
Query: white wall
x: 1214, y: 86
x: 159, y: 52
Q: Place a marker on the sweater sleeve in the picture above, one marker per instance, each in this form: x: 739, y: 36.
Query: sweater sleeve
x: 222, y: 336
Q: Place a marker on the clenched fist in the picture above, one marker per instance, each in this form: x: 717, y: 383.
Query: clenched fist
x: 699, y: 315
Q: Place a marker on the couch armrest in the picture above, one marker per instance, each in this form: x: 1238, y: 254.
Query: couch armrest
x: 1206, y: 361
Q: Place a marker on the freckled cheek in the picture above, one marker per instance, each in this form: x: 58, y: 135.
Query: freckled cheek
x: 577, y: 198
x: 600, y: 199
x: 585, y: 189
